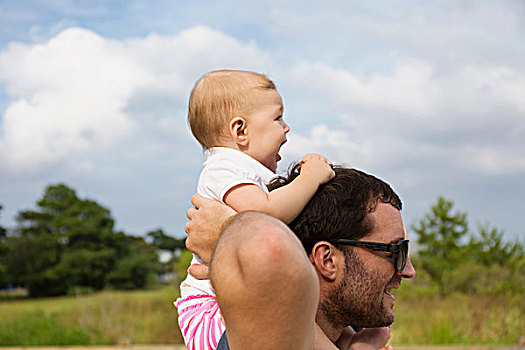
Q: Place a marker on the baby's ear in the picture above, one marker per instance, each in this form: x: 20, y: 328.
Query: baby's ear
x: 238, y: 131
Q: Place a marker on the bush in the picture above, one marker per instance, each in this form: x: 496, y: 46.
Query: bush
x: 458, y: 319
x: 36, y: 328
x: 419, y: 287
x: 181, y: 264
x: 474, y: 278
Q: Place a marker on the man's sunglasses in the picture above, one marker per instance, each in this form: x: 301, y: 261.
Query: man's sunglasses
x: 400, y: 249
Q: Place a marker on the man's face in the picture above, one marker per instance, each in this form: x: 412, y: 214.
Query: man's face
x: 363, y: 296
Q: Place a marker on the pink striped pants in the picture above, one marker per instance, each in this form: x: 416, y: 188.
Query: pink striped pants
x: 200, y: 321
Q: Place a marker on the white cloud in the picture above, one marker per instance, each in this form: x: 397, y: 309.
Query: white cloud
x: 495, y: 162
x: 415, y: 113
x: 177, y: 61
x: 79, y: 92
x: 71, y: 94
x: 495, y: 85
x: 337, y: 145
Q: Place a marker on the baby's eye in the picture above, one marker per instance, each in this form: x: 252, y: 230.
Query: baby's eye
x: 279, y: 118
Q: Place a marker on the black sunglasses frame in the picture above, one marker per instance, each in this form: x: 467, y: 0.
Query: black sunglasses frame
x: 399, y: 249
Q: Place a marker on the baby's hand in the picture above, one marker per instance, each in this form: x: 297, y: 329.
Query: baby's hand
x: 318, y: 168
x: 371, y: 339
x: 311, y: 156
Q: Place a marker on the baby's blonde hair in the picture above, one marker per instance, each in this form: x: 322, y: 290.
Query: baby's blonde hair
x: 217, y: 97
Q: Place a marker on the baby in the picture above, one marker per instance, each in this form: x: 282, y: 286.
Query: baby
x: 237, y: 117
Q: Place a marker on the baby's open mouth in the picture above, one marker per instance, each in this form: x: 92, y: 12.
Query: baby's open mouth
x: 277, y: 156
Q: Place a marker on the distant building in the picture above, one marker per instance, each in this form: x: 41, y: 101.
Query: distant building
x: 165, y: 257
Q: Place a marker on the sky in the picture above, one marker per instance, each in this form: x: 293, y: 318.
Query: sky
x: 429, y: 96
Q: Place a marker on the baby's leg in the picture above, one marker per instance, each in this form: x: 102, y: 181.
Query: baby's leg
x: 200, y: 319
x: 266, y: 287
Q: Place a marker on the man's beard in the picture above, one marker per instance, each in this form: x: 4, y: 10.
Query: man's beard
x: 358, y: 299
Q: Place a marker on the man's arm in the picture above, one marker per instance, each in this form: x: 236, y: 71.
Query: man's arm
x: 266, y: 287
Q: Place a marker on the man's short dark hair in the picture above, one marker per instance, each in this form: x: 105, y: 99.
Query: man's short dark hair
x: 339, y: 208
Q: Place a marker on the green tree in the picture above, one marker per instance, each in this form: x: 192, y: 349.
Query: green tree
x: 181, y: 263
x: 3, y: 231
x: 31, y: 261
x: 496, y: 265
x: 64, y: 243
x: 136, y: 264
x: 484, y: 264
x: 439, y: 238
x: 162, y: 241
x: 68, y: 243
x: 489, y: 247
x: 4, y: 279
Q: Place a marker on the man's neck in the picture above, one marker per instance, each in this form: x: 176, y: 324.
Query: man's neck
x: 332, y: 331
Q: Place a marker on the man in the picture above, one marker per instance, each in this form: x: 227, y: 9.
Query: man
x: 270, y: 292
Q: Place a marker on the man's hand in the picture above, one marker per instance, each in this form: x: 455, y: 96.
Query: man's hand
x: 206, y: 220
x: 199, y: 271
x: 371, y: 339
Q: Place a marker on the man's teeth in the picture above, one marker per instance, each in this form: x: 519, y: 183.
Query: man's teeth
x: 389, y: 291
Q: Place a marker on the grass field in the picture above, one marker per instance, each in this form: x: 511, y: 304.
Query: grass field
x: 426, y: 318
x: 111, y: 317
x: 148, y: 317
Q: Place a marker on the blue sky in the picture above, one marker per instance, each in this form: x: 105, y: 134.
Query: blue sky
x: 428, y: 96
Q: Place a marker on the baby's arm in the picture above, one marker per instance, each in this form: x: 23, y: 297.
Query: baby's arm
x: 286, y: 202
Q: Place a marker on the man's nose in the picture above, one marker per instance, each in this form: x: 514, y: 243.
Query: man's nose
x: 408, y: 271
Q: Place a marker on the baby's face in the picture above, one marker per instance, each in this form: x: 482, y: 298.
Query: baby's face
x: 266, y: 128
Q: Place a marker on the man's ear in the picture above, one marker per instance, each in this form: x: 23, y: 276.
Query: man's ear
x: 325, y: 257
x: 238, y: 131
